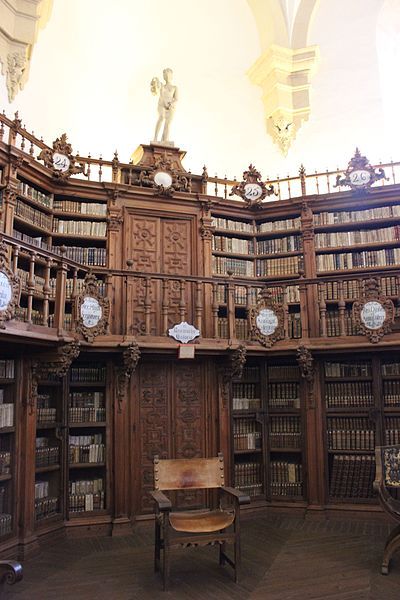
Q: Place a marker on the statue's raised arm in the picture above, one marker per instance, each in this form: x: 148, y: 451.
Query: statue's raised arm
x: 166, y: 103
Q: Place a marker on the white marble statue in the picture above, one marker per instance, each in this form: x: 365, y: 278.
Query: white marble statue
x: 166, y: 103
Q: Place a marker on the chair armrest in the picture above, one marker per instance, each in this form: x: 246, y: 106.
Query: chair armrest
x: 164, y: 503
x: 240, y: 496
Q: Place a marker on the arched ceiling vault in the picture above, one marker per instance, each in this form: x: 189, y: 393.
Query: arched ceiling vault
x: 286, y: 65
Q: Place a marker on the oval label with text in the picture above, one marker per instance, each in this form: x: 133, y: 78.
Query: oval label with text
x: 267, y: 321
x: 373, y: 315
x: 91, y: 312
x: 5, y: 291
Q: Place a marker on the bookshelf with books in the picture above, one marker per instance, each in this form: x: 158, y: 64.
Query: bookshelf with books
x: 8, y: 462
x: 352, y: 430
x: 88, y: 478
x: 285, y: 431
x: 49, y: 452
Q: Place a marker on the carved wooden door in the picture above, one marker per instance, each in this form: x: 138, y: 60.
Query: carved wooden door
x: 157, y: 245
x: 170, y: 420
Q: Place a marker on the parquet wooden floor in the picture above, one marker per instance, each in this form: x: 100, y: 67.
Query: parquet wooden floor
x: 283, y: 559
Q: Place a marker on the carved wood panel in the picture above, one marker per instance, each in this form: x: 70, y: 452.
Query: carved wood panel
x: 171, y: 422
x: 176, y: 246
x: 142, y: 243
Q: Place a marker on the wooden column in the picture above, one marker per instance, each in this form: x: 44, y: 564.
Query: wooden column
x: 61, y: 293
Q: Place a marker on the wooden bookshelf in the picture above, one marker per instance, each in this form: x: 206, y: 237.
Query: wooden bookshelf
x: 8, y: 459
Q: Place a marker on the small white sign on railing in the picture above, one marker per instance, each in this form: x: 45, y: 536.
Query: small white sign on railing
x: 5, y: 291
x: 183, y: 332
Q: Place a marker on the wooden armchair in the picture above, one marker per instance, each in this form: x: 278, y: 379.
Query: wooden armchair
x: 388, y: 476
x: 195, y: 527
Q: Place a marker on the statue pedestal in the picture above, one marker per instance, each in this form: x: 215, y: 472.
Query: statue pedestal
x: 150, y: 155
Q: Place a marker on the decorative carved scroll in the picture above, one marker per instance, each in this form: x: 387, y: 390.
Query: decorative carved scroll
x: 93, y: 310
x: 252, y: 189
x: 10, y: 573
x: 267, y: 320
x: 47, y: 365
x: 130, y: 358
x: 164, y: 177
x: 60, y: 160
x: 359, y: 175
x: 9, y: 287
x: 233, y: 369
x: 305, y: 361
x: 373, y: 314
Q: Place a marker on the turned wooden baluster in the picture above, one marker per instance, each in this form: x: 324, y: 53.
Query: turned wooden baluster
x: 302, y: 173
x: 31, y: 286
x: 74, y: 295
x: 46, y: 292
x: 214, y: 309
x: 59, y: 307
x: 342, y: 308
x: 285, y: 294
x: 182, y: 300
x: 165, y: 306
x: 322, y: 308
x: 15, y: 255
x: 147, y: 305
x: 230, y: 307
x: 199, y: 305
x: 248, y: 308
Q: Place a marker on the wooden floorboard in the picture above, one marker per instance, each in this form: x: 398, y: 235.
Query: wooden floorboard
x: 283, y: 559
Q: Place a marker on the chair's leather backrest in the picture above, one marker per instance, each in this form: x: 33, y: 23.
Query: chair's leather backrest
x: 193, y: 473
x: 390, y: 464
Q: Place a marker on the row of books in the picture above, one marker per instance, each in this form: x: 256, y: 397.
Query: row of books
x: 27, y: 190
x: 246, y: 403
x: 46, y: 415
x: 47, y: 456
x: 348, y: 369
x: 241, y: 328
x: 358, y: 260
x: 46, y: 507
x: 247, y: 475
x: 288, y: 265
x: 283, y: 225
x: 352, y: 289
x: 86, y: 399
x: 391, y: 368
x: 392, y: 432
x: 86, y: 502
x: 35, y: 241
x: 229, y: 244
x: 285, y: 424
x: 31, y: 215
x: 83, y: 208
x: 246, y: 296
x: 250, y: 373
x: 86, y: 256
x: 245, y: 390
x: 6, y: 369
x: 247, y: 441
x: 283, y: 372
x: 291, y: 490
x: 291, y: 243
x: 92, y: 228
x: 283, y: 394
x: 286, y: 471
x: 391, y: 392
x: 350, y: 434
x: 352, y: 476
x: 244, y: 425
x: 285, y: 440
x: 87, y: 415
x: 86, y: 486
x: 88, y: 374
x: 37, y: 316
x: 222, y: 264
x: 5, y: 462
x: 358, y: 236
x: 41, y: 489
x: 6, y: 415
x: 332, y: 321
x: 349, y: 394
x: 294, y: 325
x: 5, y: 523
x: 221, y: 223
x: 369, y: 214
x: 86, y: 453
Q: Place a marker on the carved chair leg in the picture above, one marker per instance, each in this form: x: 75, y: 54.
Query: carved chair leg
x: 166, y: 556
x: 222, y: 550
x: 157, y: 544
x: 392, y: 545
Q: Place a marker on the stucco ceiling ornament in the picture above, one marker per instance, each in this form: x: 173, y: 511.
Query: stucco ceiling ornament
x: 16, y: 65
x: 60, y: 160
x: 360, y: 175
x: 252, y: 189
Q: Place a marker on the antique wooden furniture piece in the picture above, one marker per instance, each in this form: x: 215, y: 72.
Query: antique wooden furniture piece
x: 388, y: 478
x: 10, y: 572
x: 197, y: 527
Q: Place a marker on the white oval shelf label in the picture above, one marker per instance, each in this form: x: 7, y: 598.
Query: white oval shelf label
x: 252, y: 191
x: 183, y: 332
x: 91, y: 312
x: 267, y: 321
x: 61, y: 162
x: 163, y: 178
x: 373, y: 315
x: 5, y: 291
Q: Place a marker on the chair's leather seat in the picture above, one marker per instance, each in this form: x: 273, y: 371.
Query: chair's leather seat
x: 201, y: 521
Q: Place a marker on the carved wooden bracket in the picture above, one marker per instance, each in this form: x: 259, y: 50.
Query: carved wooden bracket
x: 307, y: 370
x: 60, y: 160
x: 307, y: 222
x: 267, y: 320
x: 373, y: 314
x: 9, y: 287
x: 130, y: 358
x: 233, y: 369
x: 93, y: 310
x: 252, y: 189
x: 56, y: 365
x: 359, y: 175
